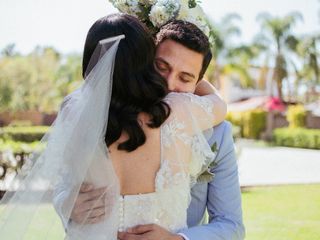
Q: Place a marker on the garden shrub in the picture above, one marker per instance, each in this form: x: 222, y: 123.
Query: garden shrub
x: 20, y: 123
x: 23, y: 134
x: 254, y: 123
x: 296, y: 116
x: 251, y: 123
x: 20, y: 147
x: 297, y: 137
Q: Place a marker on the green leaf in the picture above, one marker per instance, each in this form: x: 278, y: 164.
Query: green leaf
x: 192, y: 3
x: 206, y: 174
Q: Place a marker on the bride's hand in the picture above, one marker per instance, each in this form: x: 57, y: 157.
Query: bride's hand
x: 82, y: 211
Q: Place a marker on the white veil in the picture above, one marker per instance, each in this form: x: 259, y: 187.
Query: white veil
x: 75, y: 152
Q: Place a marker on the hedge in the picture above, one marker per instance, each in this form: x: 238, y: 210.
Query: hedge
x: 297, y: 137
x: 296, y: 116
x: 252, y: 123
x: 20, y: 147
x: 23, y: 134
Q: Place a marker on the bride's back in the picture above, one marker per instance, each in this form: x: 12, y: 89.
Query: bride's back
x: 137, y: 170
x: 172, y: 152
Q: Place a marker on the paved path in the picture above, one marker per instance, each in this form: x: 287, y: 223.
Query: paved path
x: 278, y: 165
x: 275, y: 165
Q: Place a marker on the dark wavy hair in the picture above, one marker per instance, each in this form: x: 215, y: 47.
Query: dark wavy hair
x: 137, y: 87
x: 190, y: 36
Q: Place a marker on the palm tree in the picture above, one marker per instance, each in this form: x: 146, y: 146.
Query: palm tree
x: 222, y: 32
x: 9, y: 50
x: 229, y: 59
x: 308, y: 51
x: 277, y: 30
x: 240, y: 61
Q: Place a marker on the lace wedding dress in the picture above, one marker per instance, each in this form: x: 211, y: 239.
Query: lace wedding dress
x: 184, y: 155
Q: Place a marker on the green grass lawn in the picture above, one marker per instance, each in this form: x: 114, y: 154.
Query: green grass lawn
x: 282, y: 212
x: 270, y: 213
x: 45, y: 224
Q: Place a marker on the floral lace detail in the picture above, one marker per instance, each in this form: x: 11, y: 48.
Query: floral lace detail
x: 204, y: 103
x: 202, y: 156
x: 171, y: 130
x: 200, y: 147
x: 166, y: 178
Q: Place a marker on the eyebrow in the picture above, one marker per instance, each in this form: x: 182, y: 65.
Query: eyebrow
x: 165, y: 62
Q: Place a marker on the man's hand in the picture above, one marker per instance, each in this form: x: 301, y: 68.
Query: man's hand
x: 148, y: 232
x: 89, y: 207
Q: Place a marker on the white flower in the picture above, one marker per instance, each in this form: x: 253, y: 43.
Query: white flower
x: 163, y: 11
x: 195, y: 16
x: 128, y: 6
x: 183, y: 13
x: 201, y: 24
x: 158, y: 15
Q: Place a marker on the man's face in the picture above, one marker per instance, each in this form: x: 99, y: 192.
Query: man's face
x: 179, y: 65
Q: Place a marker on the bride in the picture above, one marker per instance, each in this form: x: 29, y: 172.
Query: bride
x: 123, y: 132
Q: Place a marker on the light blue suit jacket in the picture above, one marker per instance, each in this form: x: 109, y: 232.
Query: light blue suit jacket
x: 221, y: 197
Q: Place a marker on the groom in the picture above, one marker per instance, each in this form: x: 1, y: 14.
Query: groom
x: 182, y: 57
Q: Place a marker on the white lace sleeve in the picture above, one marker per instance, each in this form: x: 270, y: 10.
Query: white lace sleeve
x: 195, y: 111
x: 184, y: 145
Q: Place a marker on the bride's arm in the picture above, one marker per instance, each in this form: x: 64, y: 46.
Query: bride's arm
x: 204, y: 88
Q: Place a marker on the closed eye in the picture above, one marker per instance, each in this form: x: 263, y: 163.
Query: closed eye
x: 186, y: 77
x: 161, y: 66
x: 185, y: 81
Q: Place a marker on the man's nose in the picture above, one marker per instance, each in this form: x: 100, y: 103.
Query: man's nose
x: 171, y: 82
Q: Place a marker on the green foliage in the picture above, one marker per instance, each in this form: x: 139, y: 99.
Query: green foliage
x: 235, y: 118
x: 307, y: 50
x: 296, y: 116
x: 223, y: 32
x: 254, y: 123
x: 37, y: 81
x: 251, y: 123
x: 19, y: 147
x: 192, y: 3
x: 277, y: 34
x: 297, y: 137
x: 240, y: 61
x: 20, y: 123
x: 23, y: 134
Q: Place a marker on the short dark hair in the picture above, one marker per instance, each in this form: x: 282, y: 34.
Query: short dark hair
x: 190, y: 36
x: 137, y: 86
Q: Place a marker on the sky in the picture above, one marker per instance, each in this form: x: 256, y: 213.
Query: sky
x: 63, y: 24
